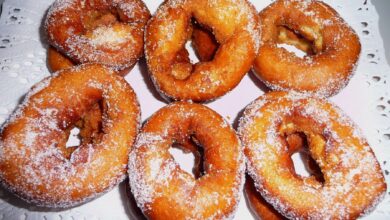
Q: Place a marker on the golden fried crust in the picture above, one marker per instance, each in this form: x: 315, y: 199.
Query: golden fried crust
x: 162, y: 189
x: 261, y: 208
x: 258, y: 205
x: 33, y: 163
x: 235, y: 26
x: 353, y: 182
x: 330, y: 62
x: 104, y: 32
x: 58, y: 61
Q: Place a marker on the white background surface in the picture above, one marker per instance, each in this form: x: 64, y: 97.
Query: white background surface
x: 366, y: 99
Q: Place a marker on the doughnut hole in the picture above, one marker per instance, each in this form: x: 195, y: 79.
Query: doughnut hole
x: 95, y: 18
x: 204, y: 42
x: 89, y: 129
x: 110, y: 37
x: 304, y: 146
x: 190, y: 156
x: 204, y: 45
x: 304, y: 165
x: 104, y: 29
x: 307, y: 40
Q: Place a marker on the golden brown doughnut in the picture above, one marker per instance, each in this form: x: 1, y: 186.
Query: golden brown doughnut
x: 353, y: 182
x: 332, y: 48
x: 104, y: 32
x: 235, y: 26
x: 34, y: 162
x: 162, y: 189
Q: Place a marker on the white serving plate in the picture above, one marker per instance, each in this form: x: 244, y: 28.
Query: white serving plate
x: 366, y: 99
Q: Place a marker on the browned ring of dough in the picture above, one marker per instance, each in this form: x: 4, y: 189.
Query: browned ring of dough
x: 260, y: 208
x: 353, y: 180
x: 162, y: 189
x: 104, y: 32
x: 336, y: 48
x: 235, y: 26
x: 58, y: 61
x: 32, y: 161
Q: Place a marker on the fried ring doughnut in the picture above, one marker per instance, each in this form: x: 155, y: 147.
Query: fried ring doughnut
x: 162, y: 189
x: 235, y: 26
x: 330, y: 59
x: 353, y: 182
x: 104, y: 32
x: 32, y: 160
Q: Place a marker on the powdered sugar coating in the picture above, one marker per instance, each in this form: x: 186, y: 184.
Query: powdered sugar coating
x: 235, y: 26
x: 158, y: 183
x: 108, y: 36
x: 353, y: 183
x: 109, y: 39
x: 331, y: 58
x: 32, y: 163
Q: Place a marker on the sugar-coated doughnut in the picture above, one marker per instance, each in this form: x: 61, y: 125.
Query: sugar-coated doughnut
x: 104, y: 32
x: 162, y: 189
x: 36, y: 165
x: 353, y: 182
x: 332, y: 48
x: 235, y: 27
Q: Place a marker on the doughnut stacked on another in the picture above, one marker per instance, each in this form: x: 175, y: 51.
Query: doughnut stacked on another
x: 204, y: 43
x: 110, y: 33
x: 235, y: 26
x: 35, y: 163
x: 260, y: 208
x: 353, y: 182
